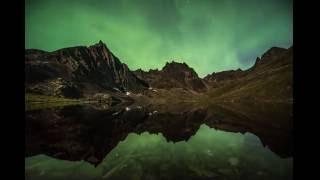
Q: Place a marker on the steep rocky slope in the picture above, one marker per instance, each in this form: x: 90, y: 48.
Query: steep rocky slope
x: 77, y: 71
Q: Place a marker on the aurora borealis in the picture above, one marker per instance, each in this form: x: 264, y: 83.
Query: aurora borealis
x: 209, y: 35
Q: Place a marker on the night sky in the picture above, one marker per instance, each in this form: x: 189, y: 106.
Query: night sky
x: 209, y: 35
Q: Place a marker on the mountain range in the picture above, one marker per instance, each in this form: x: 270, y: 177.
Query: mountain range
x: 173, y: 101
x: 81, y: 71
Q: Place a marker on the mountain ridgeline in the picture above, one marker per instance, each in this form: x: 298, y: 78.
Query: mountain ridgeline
x: 83, y: 71
x: 78, y: 71
x: 173, y: 75
x: 269, y: 79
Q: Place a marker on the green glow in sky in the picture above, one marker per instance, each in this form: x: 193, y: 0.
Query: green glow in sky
x: 209, y: 35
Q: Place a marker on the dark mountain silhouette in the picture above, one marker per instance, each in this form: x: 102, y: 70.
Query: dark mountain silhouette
x: 173, y: 75
x: 77, y: 71
x: 82, y: 71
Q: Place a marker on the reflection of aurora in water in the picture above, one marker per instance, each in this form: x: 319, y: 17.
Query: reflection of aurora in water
x: 209, y: 153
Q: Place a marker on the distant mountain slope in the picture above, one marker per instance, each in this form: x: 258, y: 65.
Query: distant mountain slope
x: 80, y: 70
x: 173, y: 75
x: 270, y: 78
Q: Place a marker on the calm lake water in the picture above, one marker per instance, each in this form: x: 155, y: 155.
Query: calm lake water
x: 135, y: 142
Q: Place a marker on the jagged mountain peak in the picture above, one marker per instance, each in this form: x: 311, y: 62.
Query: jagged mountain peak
x: 172, y: 75
x: 273, y: 51
x: 180, y: 69
x: 175, y: 64
x: 90, y: 69
x: 271, y: 56
x: 99, y: 44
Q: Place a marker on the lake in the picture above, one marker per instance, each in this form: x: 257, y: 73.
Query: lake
x: 176, y: 141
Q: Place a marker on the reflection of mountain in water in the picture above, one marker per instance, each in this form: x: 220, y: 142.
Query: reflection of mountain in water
x: 173, y: 101
x: 209, y: 153
x: 89, y: 133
